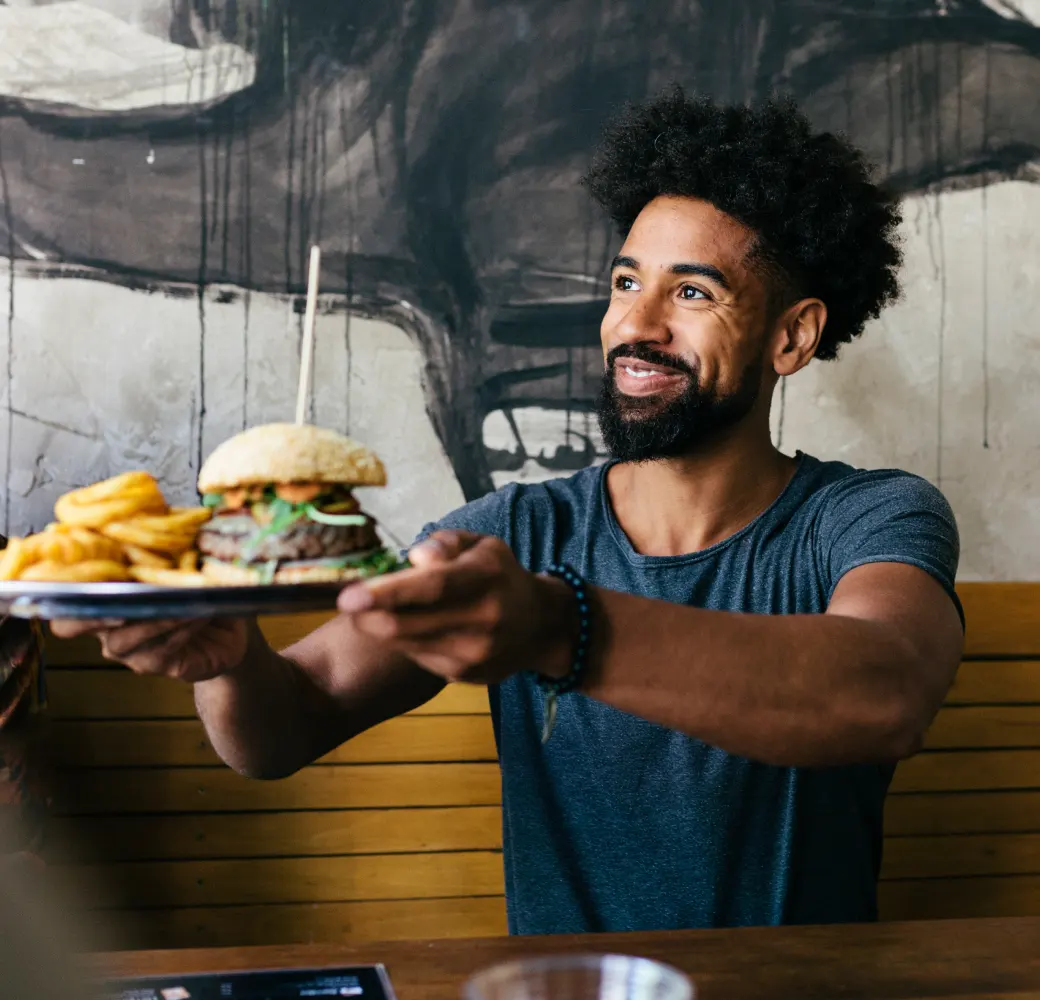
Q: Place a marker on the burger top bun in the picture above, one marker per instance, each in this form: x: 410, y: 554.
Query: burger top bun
x: 289, y: 453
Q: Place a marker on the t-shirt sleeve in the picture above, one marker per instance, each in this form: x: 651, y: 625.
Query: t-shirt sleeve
x: 889, y: 517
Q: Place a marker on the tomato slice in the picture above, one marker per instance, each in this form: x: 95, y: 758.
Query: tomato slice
x: 235, y: 499
x: 298, y: 492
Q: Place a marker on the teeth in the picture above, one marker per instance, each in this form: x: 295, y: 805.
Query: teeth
x: 641, y: 372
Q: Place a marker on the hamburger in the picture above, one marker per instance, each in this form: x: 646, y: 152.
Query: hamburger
x: 283, y: 508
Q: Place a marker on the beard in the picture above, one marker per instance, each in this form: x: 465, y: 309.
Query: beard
x: 647, y: 428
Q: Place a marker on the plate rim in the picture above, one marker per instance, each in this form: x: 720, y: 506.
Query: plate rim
x: 13, y: 589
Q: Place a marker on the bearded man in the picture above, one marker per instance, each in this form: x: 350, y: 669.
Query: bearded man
x: 703, y: 657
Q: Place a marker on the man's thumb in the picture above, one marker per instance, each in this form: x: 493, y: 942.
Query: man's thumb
x: 441, y: 547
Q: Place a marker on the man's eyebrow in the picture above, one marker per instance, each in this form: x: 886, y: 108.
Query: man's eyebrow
x: 703, y: 270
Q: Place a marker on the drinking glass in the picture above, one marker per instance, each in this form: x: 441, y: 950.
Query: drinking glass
x: 580, y: 977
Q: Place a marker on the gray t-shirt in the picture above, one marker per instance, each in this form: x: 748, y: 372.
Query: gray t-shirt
x: 619, y: 824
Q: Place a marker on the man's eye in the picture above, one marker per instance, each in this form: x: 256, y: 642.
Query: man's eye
x: 691, y: 294
x: 625, y: 283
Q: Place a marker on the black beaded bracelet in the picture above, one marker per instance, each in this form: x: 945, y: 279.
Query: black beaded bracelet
x: 553, y: 687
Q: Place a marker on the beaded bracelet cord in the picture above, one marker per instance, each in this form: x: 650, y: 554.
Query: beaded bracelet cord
x: 553, y: 687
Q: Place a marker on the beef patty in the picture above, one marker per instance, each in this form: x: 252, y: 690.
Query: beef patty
x: 226, y: 536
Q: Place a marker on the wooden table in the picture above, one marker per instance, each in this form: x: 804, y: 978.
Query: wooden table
x: 965, y: 959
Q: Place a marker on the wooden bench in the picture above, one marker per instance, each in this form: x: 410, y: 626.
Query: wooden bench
x: 397, y: 834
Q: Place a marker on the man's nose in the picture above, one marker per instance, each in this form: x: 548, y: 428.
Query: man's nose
x: 644, y: 322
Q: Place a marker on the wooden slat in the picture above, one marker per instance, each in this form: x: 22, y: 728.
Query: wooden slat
x: 996, y: 682
x: 457, y: 699
x: 113, y: 791
x: 83, y: 651
x: 410, y: 831
x: 78, y: 693
x: 1003, y: 619
x: 967, y: 854
x: 118, y: 694
x: 279, y: 834
x: 179, y: 743
x: 923, y: 899
x: 302, y: 923
x: 971, y: 770
x: 298, y: 880
x: 972, y: 726
x: 963, y: 812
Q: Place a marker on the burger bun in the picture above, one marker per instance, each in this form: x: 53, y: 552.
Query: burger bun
x: 289, y: 453
x: 226, y: 574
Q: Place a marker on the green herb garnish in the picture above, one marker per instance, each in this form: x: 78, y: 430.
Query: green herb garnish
x: 283, y: 515
x: 379, y: 562
x: 374, y: 562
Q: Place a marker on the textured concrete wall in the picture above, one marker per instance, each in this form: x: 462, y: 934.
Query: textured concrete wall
x: 946, y: 385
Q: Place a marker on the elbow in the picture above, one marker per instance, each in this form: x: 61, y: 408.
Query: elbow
x: 918, y: 682
x: 262, y: 772
x: 897, y: 729
x: 904, y: 740
x: 897, y: 719
x: 260, y: 769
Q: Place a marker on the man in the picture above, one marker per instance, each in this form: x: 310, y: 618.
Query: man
x: 762, y: 636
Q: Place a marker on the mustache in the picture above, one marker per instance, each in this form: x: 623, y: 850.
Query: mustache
x: 650, y: 356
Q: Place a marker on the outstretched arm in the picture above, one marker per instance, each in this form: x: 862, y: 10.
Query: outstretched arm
x: 858, y: 683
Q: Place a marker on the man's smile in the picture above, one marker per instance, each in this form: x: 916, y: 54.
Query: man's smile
x: 641, y: 378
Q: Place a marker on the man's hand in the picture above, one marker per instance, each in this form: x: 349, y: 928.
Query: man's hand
x: 189, y: 651
x: 467, y: 611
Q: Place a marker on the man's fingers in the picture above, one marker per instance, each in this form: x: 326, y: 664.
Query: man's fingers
x: 436, y: 586
x: 448, y: 567
x: 169, y: 654
x: 440, y: 547
x: 408, y: 625
x: 134, y: 640
x: 73, y: 628
x: 451, y: 655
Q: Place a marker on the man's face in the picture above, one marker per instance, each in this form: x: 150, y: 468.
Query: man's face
x: 684, y: 336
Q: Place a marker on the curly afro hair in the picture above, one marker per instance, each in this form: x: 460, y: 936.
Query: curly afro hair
x: 824, y: 228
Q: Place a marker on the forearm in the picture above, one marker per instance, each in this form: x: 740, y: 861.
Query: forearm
x: 789, y: 690
x: 277, y: 712
x: 263, y: 718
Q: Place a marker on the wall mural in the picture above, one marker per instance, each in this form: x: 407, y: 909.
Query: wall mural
x: 433, y: 148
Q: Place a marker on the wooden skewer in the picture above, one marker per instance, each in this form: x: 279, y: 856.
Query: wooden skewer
x: 307, y: 347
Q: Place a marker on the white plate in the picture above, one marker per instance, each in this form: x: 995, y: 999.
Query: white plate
x: 141, y: 601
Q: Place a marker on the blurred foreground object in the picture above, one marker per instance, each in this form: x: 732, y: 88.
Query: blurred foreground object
x: 580, y: 977
x: 23, y: 796
x: 37, y: 944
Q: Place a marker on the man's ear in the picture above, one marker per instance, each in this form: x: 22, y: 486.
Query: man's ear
x: 798, y: 332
